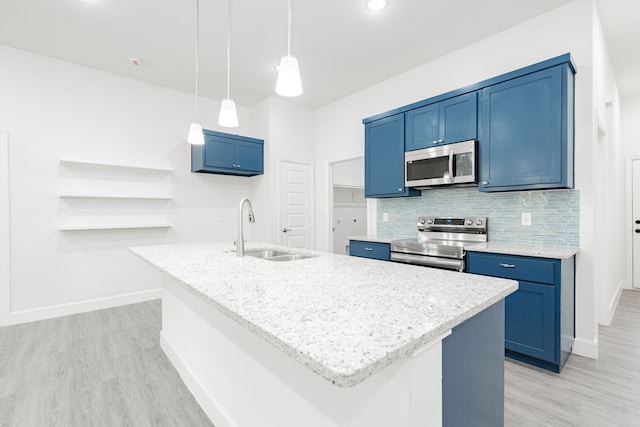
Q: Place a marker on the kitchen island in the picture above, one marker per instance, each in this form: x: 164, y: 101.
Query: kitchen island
x: 329, y: 340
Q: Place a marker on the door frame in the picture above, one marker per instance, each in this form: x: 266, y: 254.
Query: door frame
x: 372, y: 204
x: 5, y: 243
x: 629, y: 217
x: 312, y: 198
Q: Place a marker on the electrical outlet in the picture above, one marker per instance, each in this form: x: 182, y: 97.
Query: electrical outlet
x: 526, y: 218
x: 385, y: 217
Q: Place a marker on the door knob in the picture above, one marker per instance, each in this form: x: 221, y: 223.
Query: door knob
x: 637, y: 230
x: 637, y: 221
x: 284, y: 230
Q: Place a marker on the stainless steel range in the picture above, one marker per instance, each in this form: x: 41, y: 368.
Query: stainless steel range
x: 440, y: 242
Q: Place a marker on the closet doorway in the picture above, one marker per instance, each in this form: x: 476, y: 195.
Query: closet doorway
x: 348, y: 205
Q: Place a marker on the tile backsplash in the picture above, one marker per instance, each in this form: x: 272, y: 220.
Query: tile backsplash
x: 555, y: 214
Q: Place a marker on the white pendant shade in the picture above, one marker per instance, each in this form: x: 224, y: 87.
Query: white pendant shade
x: 196, y: 137
x: 289, y: 83
x: 228, y: 116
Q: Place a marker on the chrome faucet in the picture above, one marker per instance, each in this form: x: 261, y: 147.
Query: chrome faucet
x: 240, y: 241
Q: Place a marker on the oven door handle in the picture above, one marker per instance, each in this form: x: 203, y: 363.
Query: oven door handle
x: 428, y: 261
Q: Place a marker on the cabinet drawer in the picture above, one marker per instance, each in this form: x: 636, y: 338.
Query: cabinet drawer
x: 370, y: 250
x: 540, y: 270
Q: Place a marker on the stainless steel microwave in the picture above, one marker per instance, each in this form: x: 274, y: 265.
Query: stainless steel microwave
x: 450, y: 164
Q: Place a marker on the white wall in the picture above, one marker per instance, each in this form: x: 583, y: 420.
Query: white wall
x: 609, y: 272
x: 338, y: 130
x: 349, y: 172
x: 52, y: 110
x: 287, y: 129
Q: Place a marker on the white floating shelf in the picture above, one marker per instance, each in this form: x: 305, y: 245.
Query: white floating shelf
x: 114, y: 165
x: 115, y: 196
x: 111, y: 226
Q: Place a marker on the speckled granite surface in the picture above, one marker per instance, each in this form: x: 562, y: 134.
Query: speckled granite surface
x: 346, y: 318
x: 541, y: 251
x: 535, y: 250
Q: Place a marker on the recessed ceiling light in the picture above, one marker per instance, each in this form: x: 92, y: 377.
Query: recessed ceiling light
x: 375, y: 5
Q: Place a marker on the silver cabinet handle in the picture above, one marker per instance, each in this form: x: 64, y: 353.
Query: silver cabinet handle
x: 507, y: 265
x: 368, y: 249
x: 401, y: 189
x: 285, y: 229
x: 438, y: 141
x: 485, y: 182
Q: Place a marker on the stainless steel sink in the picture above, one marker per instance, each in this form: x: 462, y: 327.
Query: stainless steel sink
x: 275, y: 255
x: 264, y: 253
x: 289, y: 257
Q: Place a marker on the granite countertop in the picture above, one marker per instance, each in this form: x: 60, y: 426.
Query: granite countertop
x: 345, y: 318
x: 379, y: 238
x: 525, y: 249
x: 542, y: 251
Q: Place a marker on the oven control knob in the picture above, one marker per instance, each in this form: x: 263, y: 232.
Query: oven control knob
x: 422, y: 221
x: 479, y: 222
x: 469, y: 222
x: 430, y: 221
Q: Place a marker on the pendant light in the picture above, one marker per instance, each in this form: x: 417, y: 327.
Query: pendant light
x: 228, y: 116
x: 196, y: 137
x: 289, y: 83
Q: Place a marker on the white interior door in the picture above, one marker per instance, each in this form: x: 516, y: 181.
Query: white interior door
x: 296, y: 219
x: 635, y: 226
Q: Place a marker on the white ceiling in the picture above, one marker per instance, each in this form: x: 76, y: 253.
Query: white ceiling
x: 342, y: 48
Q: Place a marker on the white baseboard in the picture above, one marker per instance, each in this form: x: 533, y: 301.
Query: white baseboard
x: 83, y: 306
x: 585, y: 348
x: 613, y: 304
x: 204, y: 399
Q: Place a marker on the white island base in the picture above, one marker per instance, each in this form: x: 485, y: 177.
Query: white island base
x: 240, y: 380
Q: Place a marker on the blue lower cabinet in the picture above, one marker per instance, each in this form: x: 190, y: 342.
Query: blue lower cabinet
x: 539, y: 316
x: 373, y: 250
x: 228, y: 154
x: 473, y: 371
x: 530, y: 329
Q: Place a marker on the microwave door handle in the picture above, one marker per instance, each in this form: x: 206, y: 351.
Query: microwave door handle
x: 448, y: 177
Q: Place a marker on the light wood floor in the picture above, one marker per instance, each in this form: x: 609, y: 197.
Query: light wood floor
x: 106, y: 368
x: 103, y: 368
x: 598, y: 393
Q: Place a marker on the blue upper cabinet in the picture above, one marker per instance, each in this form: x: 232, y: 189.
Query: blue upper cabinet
x: 526, y: 132
x: 384, y: 158
x: 228, y: 154
x: 523, y: 121
x: 445, y: 122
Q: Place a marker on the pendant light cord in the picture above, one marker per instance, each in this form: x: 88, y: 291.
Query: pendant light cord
x: 228, y: 47
x: 289, y: 30
x: 197, y: 62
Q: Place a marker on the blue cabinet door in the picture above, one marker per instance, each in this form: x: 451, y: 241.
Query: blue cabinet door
x: 384, y: 158
x: 219, y: 152
x: 422, y: 127
x: 459, y: 118
x: 524, y: 132
x: 250, y: 157
x: 530, y: 324
x: 228, y: 154
x: 441, y: 123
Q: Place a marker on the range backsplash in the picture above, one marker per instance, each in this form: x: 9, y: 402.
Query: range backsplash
x: 555, y: 214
